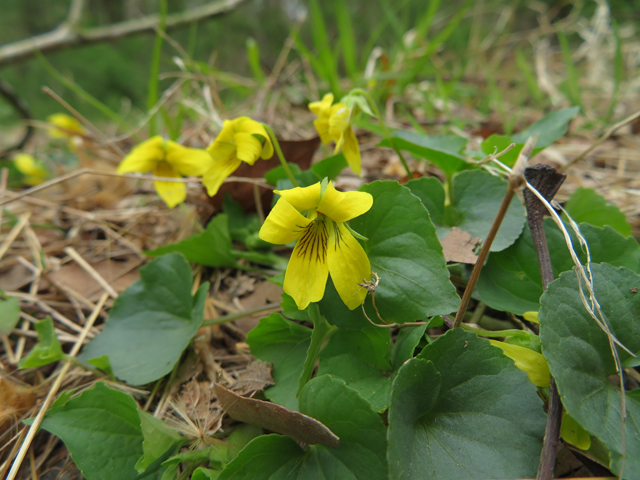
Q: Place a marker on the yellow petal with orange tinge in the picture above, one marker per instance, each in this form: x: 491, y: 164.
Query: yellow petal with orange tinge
x: 351, y: 151
x: 144, y: 157
x: 192, y: 162
x: 306, y: 276
x: 248, y: 147
x: 172, y: 193
x: 302, y: 198
x: 530, y: 362
x: 219, y: 171
x: 343, y: 206
x: 348, y: 265
x: 284, y: 224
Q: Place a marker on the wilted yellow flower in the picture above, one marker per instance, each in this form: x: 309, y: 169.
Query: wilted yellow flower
x: 325, y: 244
x: 241, y: 140
x: 167, y: 159
x: 334, y: 123
x: 64, y: 126
x: 34, y: 171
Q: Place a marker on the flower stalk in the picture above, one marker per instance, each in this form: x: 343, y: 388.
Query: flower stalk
x: 283, y: 161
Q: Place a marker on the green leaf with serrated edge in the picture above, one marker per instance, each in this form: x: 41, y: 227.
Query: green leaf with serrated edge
x: 549, y: 128
x: 586, y: 206
x: 48, y: 348
x: 101, y: 429
x: 443, y: 151
x: 151, y: 322
x: 330, y: 167
x: 211, y: 248
x: 581, y: 361
x: 510, y: 280
x: 285, y: 344
x: 407, y: 255
x: 158, y: 439
x: 477, y: 196
x: 9, y: 315
x: 361, y: 455
x: 462, y: 410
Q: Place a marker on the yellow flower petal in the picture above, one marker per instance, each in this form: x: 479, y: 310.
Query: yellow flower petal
x: 248, y: 147
x: 351, y: 151
x: 302, y: 198
x: 530, y: 362
x: 67, y: 126
x: 284, y: 224
x: 338, y: 122
x: 306, y: 276
x: 188, y: 161
x: 343, y: 206
x: 323, y: 106
x: 322, y: 127
x: 144, y: 156
x: 26, y: 164
x: 215, y: 176
x: 172, y: 193
x: 573, y: 433
x: 348, y: 265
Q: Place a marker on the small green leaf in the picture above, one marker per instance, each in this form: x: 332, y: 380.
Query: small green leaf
x: 406, y: 343
x: 586, y: 206
x: 48, y: 348
x: 497, y: 143
x: 361, y: 455
x: 211, y: 248
x: 462, y: 410
x: 158, y: 437
x: 443, y: 151
x: 101, y: 429
x: 205, y: 474
x: 550, y: 128
x: 9, y: 314
x: 285, y: 344
x: 580, y: 358
x: 290, y: 309
x: 101, y: 363
x: 241, y: 225
x: 151, y: 323
x: 279, y: 173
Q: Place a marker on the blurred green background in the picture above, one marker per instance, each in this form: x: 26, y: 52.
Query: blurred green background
x: 117, y: 72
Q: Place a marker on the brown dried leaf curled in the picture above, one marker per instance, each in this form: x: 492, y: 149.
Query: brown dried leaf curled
x: 302, y: 428
x: 458, y: 246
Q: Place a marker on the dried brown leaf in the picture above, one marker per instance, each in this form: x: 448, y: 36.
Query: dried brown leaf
x: 255, y: 378
x: 302, y: 428
x: 458, y: 246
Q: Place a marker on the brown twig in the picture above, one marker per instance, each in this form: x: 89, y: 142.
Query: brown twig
x: 66, y: 35
x: 546, y: 180
x: 515, y: 182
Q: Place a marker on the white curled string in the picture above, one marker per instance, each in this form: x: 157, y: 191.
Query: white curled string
x: 591, y: 305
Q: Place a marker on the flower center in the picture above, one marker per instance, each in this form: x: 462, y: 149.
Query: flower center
x: 313, y: 242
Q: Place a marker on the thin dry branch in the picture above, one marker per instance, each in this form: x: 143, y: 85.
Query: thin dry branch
x: 69, y: 35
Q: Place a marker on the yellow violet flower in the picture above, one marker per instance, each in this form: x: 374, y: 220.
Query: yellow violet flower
x: 325, y: 244
x: 64, y: 126
x: 530, y: 362
x: 334, y: 123
x: 33, y: 171
x: 166, y: 159
x: 241, y: 140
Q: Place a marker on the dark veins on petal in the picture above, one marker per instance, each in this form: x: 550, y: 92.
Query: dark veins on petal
x: 314, y: 241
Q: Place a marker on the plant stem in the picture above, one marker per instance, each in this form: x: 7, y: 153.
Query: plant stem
x: 486, y: 246
x: 321, y: 330
x: 387, y: 133
x: 547, y: 181
x: 283, y: 161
